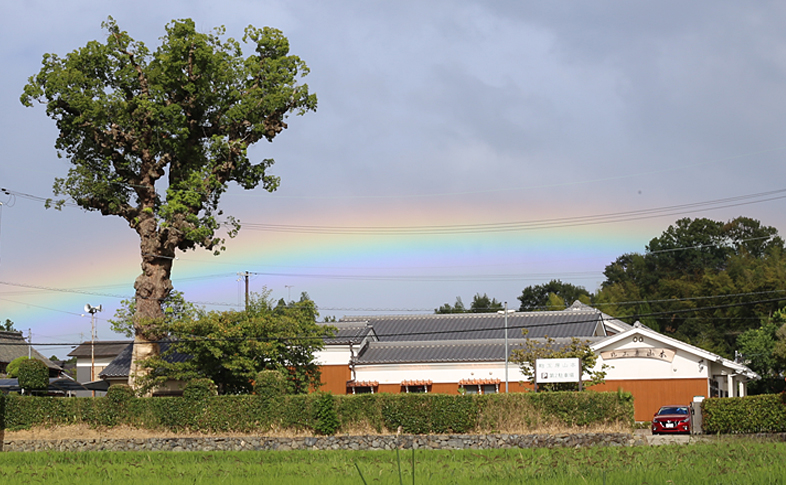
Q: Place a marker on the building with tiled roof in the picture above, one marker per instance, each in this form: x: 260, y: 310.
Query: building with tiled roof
x: 14, y: 345
x: 465, y: 352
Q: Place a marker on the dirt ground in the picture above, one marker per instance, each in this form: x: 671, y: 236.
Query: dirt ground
x: 127, y: 432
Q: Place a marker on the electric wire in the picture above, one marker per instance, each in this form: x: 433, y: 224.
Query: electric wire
x: 511, y: 326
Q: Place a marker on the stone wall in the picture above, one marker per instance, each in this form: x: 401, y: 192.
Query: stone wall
x: 389, y: 442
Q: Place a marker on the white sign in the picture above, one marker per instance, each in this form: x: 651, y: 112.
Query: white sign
x: 557, y: 370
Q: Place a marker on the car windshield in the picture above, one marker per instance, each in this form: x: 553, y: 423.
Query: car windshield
x: 673, y: 410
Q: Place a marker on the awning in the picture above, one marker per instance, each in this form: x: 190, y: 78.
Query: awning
x: 362, y: 384
x: 99, y: 385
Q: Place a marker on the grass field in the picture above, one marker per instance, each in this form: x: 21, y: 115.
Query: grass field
x: 724, y: 462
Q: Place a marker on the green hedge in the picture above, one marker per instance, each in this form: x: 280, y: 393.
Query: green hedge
x: 751, y: 414
x: 324, y: 413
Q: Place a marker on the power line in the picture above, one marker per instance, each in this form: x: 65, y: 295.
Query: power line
x: 595, y: 318
x: 551, y: 223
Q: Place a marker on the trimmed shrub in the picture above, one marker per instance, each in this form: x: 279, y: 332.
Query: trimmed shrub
x: 120, y: 393
x: 751, y: 414
x: 33, y: 375
x: 270, y: 383
x: 199, y: 389
x: 325, y: 416
x: 322, y: 413
x: 12, y: 369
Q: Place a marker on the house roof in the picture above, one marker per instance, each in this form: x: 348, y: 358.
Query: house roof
x: 575, y: 322
x: 640, y: 329
x: 13, y: 345
x: 445, y: 351
x: 103, y: 348
x: 349, y: 332
x: 121, y: 365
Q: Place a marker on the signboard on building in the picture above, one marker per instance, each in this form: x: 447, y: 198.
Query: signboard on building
x: 557, y: 370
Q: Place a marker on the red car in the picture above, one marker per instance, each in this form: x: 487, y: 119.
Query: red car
x: 671, y: 419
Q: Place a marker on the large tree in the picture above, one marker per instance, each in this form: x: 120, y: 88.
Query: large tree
x: 155, y: 137
x: 702, y: 281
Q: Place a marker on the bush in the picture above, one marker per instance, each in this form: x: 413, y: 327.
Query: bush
x: 323, y: 413
x: 199, y: 389
x: 325, y: 416
x: 750, y: 414
x: 12, y: 369
x: 269, y: 384
x: 120, y: 393
x: 33, y: 375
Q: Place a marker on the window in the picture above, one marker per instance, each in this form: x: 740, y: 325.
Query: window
x: 362, y: 390
x: 471, y: 389
x: 490, y: 389
x: 415, y: 389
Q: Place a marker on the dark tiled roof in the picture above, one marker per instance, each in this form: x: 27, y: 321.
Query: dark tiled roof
x: 483, y: 326
x: 103, y: 348
x: 13, y: 345
x: 121, y: 365
x: 349, y: 332
x: 444, y: 351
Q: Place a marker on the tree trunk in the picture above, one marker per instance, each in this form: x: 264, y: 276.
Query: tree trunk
x: 152, y: 288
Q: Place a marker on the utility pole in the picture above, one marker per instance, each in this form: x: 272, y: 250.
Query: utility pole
x: 92, y: 311
x: 507, y: 357
x: 245, y: 276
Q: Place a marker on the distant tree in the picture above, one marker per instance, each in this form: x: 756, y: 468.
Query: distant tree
x: 484, y: 304
x: 8, y: 326
x: 480, y: 304
x: 539, y: 297
x: 156, y: 137
x: 458, y: 307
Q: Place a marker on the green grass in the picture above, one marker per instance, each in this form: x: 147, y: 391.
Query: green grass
x: 724, y: 462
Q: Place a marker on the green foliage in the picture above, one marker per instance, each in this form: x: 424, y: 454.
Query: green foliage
x: 676, y: 287
x: 549, y: 348
x: 155, y: 137
x: 174, y: 307
x: 270, y: 384
x: 750, y: 414
x: 480, y: 304
x: 325, y: 415
x: 194, y: 105
x: 320, y: 413
x: 200, y: 389
x: 12, y: 369
x: 7, y: 326
x: 120, y: 393
x: 232, y: 347
x: 33, y: 375
x: 553, y: 295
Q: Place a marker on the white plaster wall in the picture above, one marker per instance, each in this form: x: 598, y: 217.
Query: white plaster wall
x: 333, y: 355
x: 100, y: 361
x: 438, y: 373
x: 684, y: 365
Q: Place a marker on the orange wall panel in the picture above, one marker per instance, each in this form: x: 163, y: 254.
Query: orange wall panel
x: 650, y: 394
x: 334, y: 378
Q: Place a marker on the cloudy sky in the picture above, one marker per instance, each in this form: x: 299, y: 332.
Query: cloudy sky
x: 458, y: 147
